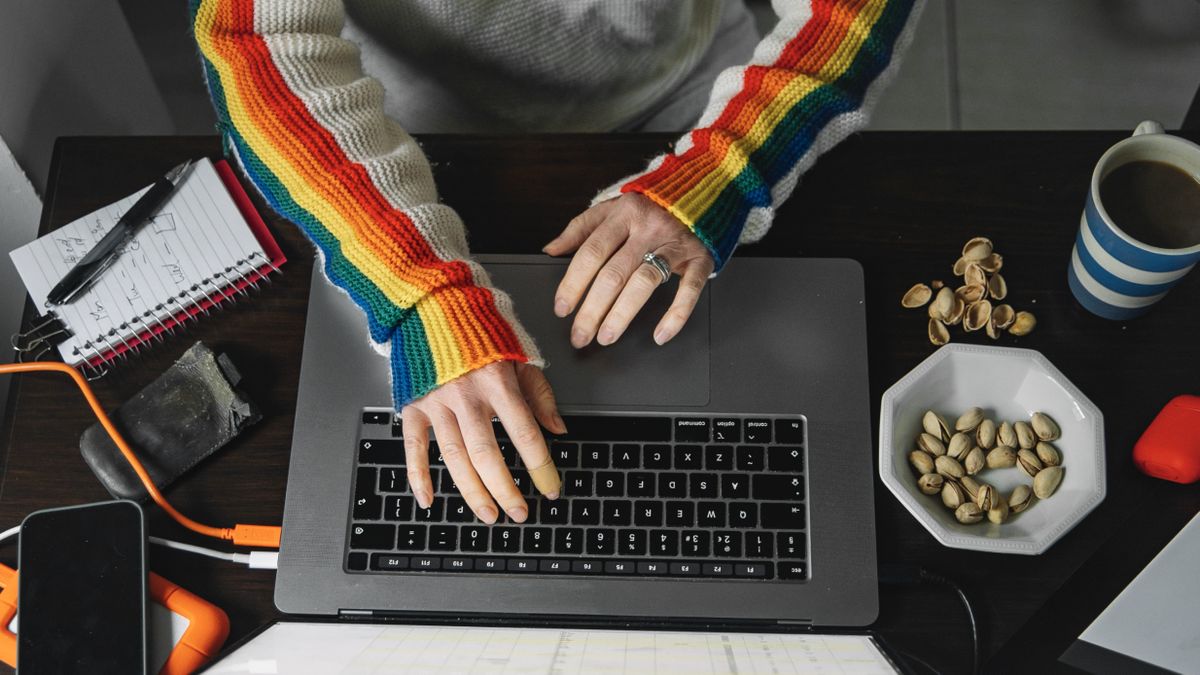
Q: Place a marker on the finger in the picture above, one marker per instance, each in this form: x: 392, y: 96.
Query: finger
x: 524, y: 432
x: 485, y: 457
x: 579, y: 228
x: 633, y: 297
x: 540, y: 397
x: 416, y: 454
x: 454, y: 454
x: 691, y: 283
x: 590, y: 257
x: 610, y: 280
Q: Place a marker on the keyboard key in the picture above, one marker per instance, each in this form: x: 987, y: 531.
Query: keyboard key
x: 610, y: 484
x: 509, y: 452
x: 727, y: 430
x: 554, y: 512
x: 447, y: 485
x: 443, y: 537
x: 718, y: 457
x: 473, y: 539
x: 458, y: 564
x: 578, y: 484
x: 376, y: 418
x: 685, y: 569
x: 595, y: 456
x: 791, y: 545
x: 672, y: 485
x: 489, y: 564
x: 656, y: 456
x: 398, y: 507
x: 433, y: 514
x: 743, y: 514
x: 425, y: 562
x: 727, y: 544
x: 735, y: 486
x: 789, y: 431
x: 531, y: 508
x: 392, y: 479
x: 717, y: 569
x: 780, y: 487
x: 783, y: 516
x: 617, y: 512
x: 632, y: 542
x: 506, y: 539
x: 647, y: 513
x: 641, y: 484
x: 618, y: 428
x: 357, y: 561
x: 792, y: 569
x: 688, y: 457
x: 565, y: 455
x: 387, y: 561
x: 457, y: 511
x: 397, y: 428
x: 585, y: 512
x: 586, y: 567
x: 751, y: 458
x: 554, y: 566
x: 498, y: 429
x: 759, y: 545
x: 568, y: 540
x: 522, y: 565
x: 364, y: 481
x: 691, y: 430
x: 523, y: 482
x: 626, y: 456
x: 601, y: 541
x: 435, y: 455
x: 711, y: 514
x: 381, y: 451
x: 366, y: 535
x: 538, y: 540
x: 755, y: 570
x: 756, y: 431
x: 412, y: 538
x: 664, y: 543
x: 368, y: 508
x: 695, y: 544
x: 681, y: 514
x: 652, y: 568
x: 703, y: 485
x: 618, y: 567
x: 784, y: 458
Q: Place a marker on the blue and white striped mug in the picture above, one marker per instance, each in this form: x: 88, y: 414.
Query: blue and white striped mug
x: 1112, y: 274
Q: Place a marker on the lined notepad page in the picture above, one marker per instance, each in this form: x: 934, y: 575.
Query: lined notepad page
x: 195, y: 245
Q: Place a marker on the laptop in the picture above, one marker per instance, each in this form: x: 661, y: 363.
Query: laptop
x: 722, y: 480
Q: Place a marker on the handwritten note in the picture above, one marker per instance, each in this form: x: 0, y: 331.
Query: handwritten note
x: 196, y: 244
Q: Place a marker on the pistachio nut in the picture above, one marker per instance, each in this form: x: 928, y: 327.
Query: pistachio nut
x: 1049, y: 454
x: 1046, y: 481
x: 953, y: 494
x: 960, y: 445
x: 1023, y: 324
x: 970, y: 485
x: 1001, y: 457
x: 999, y: 511
x: 948, y: 467
x: 916, y: 296
x: 931, y: 483
x: 1045, y: 427
x: 977, y: 248
x: 935, y: 425
x: 1029, y: 463
x: 996, y: 287
x: 968, y: 513
x: 985, y: 435
x: 985, y: 498
x: 936, y: 284
x: 921, y: 461
x: 1005, y: 435
x: 1025, y: 437
x: 931, y: 444
x: 1020, y: 499
x: 938, y: 334
x: 969, y: 420
x: 975, y: 461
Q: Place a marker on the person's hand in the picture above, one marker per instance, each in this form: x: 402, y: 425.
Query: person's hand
x: 609, y: 241
x: 460, y: 413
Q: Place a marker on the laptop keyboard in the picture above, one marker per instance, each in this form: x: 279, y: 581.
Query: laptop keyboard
x: 701, y: 497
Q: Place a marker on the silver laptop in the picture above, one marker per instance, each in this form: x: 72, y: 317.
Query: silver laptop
x: 725, y: 477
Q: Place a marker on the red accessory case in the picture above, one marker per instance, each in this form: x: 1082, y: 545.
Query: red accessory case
x: 1170, y: 447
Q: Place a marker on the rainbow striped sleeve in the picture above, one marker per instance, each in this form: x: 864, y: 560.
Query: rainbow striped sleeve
x: 308, y: 129
x: 810, y: 84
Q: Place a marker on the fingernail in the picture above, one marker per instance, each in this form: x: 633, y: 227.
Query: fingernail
x: 579, y: 338
x: 424, y: 500
x: 561, y: 308
x: 605, y: 337
x: 551, y: 496
x: 661, y: 337
x: 488, y: 514
x: 517, y: 513
x: 562, y: 426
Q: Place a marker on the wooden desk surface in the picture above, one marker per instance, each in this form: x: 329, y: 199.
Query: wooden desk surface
x: 900, y: 203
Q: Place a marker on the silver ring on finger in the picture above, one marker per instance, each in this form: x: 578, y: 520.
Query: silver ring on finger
x: 660, y: 265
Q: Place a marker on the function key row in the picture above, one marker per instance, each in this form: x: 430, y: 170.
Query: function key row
x: 384, y: 562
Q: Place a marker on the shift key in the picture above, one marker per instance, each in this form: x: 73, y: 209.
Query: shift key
x: 782, y: 516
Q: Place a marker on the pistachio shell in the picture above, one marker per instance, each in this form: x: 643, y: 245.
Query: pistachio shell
x: 1044, y: 427
x: 1029, y: 463
x: 975, y: 276
x: 977, y: 316
x: 968, y: 514
x: 985, y: 435
x: 970, y: 485
x: 1001, y: 457
x: 938, y: 334
x: 1047, y: 481
x: 931, y: 444
x: 992, y: 263
x: 996, y: 286
x: 960, y: 445
x: 1003, y: 316
x: 953, y: 494
x: 971, y: 292
x: 921, y: 461
x: 931, y: 483
x: 985, y: 498
x: 1023, y: 324
x: 999, y: 511
x: 1020, y: 499
x: 1025, y: 436
x: 1006, y: 436
x: 974, y: 462
x: 1049, y: 454
x: 948, y: 467
x: 935, y: 425
x: 956, y: 314
x: 960, y: 267
x: 977, y: 248
x: 916, y: 296
x: 969, y: 420
x: 991, y: 330
x: 943, y: 305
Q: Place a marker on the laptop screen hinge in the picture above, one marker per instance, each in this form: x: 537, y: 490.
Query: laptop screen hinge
x: 796, y: 623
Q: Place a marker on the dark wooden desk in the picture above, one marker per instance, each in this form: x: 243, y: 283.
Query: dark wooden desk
x: 900, y: 203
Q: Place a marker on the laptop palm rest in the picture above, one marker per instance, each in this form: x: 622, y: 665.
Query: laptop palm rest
x: 634, y: 370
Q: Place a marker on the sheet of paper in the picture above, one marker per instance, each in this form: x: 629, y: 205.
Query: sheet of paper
x: 302, y: 648
x: 196, y: 243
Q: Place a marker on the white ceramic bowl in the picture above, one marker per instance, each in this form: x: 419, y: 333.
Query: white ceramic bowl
x: 1009, y: 384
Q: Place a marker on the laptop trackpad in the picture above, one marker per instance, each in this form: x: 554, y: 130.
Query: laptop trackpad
x: 634, y: 371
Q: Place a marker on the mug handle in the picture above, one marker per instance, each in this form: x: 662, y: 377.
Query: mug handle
x: 1148, y: 127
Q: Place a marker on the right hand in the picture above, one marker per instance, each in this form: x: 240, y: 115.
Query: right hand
x: 460, y: 413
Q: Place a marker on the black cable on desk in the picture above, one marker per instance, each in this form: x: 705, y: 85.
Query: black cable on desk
x: 911, y: 575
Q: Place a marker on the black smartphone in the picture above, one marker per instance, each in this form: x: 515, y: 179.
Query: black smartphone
x: 81, y: 597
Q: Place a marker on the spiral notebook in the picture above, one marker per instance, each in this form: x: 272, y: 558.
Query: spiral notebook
x: 204, y: 246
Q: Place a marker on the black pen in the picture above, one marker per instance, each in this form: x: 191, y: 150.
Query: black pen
x: 105, y: 252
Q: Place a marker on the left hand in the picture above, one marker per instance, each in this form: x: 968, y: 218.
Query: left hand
x: 609, y: 241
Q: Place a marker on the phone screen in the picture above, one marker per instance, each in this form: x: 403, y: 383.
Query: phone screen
x: 82, y: 590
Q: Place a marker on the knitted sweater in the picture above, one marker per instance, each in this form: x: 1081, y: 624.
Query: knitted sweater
x: 308, y: 128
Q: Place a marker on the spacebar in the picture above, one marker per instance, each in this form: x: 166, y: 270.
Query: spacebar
x: 616, y: 428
